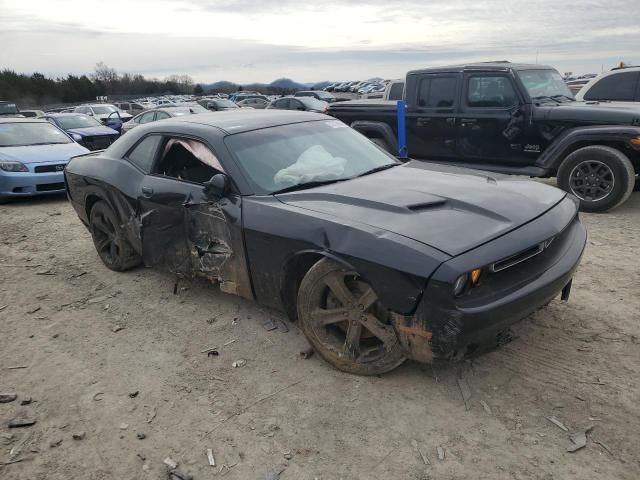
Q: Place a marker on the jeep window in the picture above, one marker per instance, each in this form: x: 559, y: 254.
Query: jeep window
x: 545, y: 85
x: 143, y: 154
x: 437, y: 92
x: 490, y: 91
x: 396, y: 90
x: 619, y: 86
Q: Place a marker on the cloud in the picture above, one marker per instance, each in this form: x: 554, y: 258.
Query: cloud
x: 252, y: 40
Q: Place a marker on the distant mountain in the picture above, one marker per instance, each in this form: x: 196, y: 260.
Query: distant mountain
x: 281, y: 85
x: 287, y: 84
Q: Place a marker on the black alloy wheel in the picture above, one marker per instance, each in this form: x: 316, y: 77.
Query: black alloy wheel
x: 342, y: 318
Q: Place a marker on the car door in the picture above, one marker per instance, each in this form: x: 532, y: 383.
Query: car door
x: 489, y: 125
x: 184, y: 231
x: 431, y: 117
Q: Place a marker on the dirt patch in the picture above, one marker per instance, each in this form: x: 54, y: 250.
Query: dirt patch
x: 90, y: 338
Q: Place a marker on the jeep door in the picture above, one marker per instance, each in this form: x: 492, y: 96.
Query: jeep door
x: 491, y: 125
x: 431, y: 117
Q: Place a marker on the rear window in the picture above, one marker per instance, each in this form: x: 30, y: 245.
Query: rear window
x: 437, y: 92
x: 396, y: 90
x: 618, y: 87
x: 8, y: 108
x: 143, y: 154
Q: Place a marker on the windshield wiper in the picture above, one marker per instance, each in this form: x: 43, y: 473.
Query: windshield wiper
x: 305, y: 185
x: 378, y: 169
x: 571, y: 99
x: 542, y: 97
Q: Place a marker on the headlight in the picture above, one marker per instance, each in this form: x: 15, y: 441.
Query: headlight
x: 13, y: 167
x: 461, y: 283
x: 471, y: 279
x: 76, y: 137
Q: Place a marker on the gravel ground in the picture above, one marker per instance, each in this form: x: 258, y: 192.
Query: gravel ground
x: 110, y: 357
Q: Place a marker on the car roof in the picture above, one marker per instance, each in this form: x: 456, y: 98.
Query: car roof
x: 244, y: 120
x: 488, y: 66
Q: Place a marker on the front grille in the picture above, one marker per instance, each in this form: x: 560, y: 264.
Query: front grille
x: 50, y: 187
x: 49, y: 168
x: 99, y: 142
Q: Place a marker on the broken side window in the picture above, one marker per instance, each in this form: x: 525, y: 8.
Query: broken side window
x: 187, y: 159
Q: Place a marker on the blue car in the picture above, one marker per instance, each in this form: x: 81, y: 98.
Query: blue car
x: 85, y: 130
x: 33, y: 154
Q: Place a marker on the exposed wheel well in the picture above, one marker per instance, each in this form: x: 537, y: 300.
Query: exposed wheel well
x: 89, y: 203
x: 294, y: 272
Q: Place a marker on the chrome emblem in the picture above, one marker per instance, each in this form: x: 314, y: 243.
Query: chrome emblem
x: 59, y: 168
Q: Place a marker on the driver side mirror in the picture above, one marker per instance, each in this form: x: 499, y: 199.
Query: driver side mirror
x: 217, y: 187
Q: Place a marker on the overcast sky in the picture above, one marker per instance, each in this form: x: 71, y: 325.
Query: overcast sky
x: 261, y: 40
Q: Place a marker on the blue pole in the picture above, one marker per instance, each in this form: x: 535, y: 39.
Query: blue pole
x: 402, y: 130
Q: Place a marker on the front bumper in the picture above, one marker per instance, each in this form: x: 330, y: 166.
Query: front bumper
x: 41, y: 179
x: 448, y: 327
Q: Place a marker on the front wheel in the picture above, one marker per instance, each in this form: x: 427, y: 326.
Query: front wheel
x: 342, y: 318
x: 601, y: 177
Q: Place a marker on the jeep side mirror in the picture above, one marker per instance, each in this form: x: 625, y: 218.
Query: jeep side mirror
x: 217, y: 187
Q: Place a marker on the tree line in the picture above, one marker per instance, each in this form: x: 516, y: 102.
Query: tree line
x: 36, y: 89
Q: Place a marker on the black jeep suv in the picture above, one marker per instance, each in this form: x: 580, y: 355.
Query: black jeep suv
x: 510, y: 118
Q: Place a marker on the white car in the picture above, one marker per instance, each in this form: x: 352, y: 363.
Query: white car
x: 104, y: 112
x: 620, y: 85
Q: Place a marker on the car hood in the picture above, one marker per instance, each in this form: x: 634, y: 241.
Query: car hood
x: 448, y: 208
x: 42, y: 153
x: 595, y: 113
x: 93, y: 131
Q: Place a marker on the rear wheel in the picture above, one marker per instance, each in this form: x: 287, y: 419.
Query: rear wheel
x: 600, y: 176
x: 109, y: 239
x: 345, y: 323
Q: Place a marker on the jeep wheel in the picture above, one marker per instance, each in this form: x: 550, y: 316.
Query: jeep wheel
x: 601, y: 177
x: 109, y: 239
x: 341, y: 316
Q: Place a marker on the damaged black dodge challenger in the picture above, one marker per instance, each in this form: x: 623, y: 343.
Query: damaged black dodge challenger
x: 378, y: 260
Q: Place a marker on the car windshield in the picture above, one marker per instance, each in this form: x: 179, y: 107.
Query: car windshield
x: 77, y: 121
x: 313, y: 103
x: 24, y: 134
x: 326, y: 96
x: 225, y: 104
x: 545, y: 84
x: 104, y: 109
x: 300, y: 154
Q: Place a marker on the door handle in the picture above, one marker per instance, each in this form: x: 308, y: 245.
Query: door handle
x: 147, y: 191
x: 466, y: 122
x: 422, y: 121
x: 451, y: 120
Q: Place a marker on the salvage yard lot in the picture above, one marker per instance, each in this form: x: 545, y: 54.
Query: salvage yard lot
x: 89, y: 337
